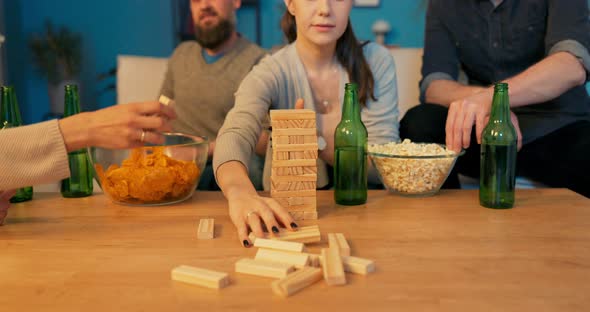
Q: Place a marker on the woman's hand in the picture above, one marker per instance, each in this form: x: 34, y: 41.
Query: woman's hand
x: 257, y: 213
x: 247, y: 209
x: 118, y: 126
x: 5, y: 203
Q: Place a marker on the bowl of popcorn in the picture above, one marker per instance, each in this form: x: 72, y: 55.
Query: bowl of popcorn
x: 413, y: 169
x: 153, y: 174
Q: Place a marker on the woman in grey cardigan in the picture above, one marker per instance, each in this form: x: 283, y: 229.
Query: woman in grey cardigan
x: 323, y: 55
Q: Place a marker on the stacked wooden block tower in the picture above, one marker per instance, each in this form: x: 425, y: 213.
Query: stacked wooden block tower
x: 294, y: 161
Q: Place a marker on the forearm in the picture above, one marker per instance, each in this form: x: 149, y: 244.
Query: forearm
x: 444, y: 92
x: 232, y: 178
x: 546, y: 80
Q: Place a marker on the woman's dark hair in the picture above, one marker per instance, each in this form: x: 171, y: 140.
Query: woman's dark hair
x: 349, y: 52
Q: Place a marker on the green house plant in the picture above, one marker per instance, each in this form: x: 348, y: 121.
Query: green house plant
x: 57, y: 55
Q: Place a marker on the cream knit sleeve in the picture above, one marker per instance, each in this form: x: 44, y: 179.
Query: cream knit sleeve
x: 30, y: 155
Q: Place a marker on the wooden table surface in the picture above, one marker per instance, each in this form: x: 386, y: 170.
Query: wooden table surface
x: 438, y: 253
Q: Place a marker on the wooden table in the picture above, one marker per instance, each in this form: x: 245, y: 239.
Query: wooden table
x: 438, y: 253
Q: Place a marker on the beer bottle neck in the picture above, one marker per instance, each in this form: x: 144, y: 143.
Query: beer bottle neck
x: 72, y: 101
x: 500, y: 106
x: 350, y: 109
x: 9, y: 112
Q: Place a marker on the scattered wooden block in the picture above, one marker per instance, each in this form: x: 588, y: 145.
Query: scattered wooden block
x: 296, y: 281
x: 314, y: 260
x: 304, y: 234
x: 337, y: 240
x: 264, y: 268
x: 332, y: 267
x: 358, y: 265
x: 354, y: 265
x: 200, y: 277
x: 298, y: 260
x: 278, y: 245
x: 206, y: 229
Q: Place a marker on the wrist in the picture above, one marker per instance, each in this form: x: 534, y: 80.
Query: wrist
x: 75, y: 132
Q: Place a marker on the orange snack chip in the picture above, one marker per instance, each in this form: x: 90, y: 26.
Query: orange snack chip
x: 148, y: 176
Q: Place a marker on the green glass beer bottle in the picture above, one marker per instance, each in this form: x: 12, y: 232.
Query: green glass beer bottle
x: 10, y: 117
x: 350, y: 152
x: 79, y: 184
x: 498, y: 154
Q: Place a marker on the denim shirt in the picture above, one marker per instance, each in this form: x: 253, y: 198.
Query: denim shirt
x: 492, y: 43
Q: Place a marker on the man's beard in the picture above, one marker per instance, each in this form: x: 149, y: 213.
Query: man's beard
x: 212, y: 38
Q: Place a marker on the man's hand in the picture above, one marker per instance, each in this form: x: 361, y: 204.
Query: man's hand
x: 462, y: 115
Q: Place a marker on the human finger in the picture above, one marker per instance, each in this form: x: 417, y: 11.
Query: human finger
x: 281, y: 214
x: 299, y: 104
x: 254, y: 222
x: 480, y: 123
x: 242, y: 228
x: 449, y: 126
x: 467, y: 126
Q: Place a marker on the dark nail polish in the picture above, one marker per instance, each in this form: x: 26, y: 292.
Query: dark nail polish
x: 293, y: 225
x: 275, y: 229
x: 246, y: 243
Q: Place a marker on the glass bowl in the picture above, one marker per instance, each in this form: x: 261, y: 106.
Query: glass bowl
x: 153, y: 174
x: 413, y: 169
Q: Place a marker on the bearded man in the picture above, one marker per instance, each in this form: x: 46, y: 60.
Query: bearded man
x: 203, y: 75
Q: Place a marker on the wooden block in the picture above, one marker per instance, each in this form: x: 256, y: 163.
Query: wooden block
x: 351, y: 264
x: 310, y: 177
x: 358, y: 265
x: 294, y: 131
x: 206, y: 229
x: 296, y: 215
x: 165, y: 100
x: 201, y: 277
x: 337, y: 240
x: 283, y: 139
x: 280, y: 155
x: 263, y: 268
x: 295, y: 163
x: 302, y: 193
x: 295, y: 147
x: 288, y: 114
x: 293, y: 171
x: 304, y: 234
x: 293, y: 186
x: 296, y: 259
x: 310, y: 215
x: 296, y: 281
x: 310, y: 139
x: 296, y: 123
x: 278, y: 245
x: 332, y: 267
x: 314, y: 260
x: 297, y: 139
